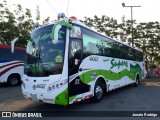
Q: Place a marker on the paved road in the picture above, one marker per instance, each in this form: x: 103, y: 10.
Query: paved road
x: 145, y: 97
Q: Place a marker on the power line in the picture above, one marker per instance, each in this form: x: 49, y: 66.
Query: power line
x: 52, y: 7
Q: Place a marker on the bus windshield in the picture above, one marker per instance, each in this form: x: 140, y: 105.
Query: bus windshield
x: 45, y: 58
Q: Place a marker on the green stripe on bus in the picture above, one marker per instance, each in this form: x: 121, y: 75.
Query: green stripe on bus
x: 62, y: 99
x: 110, y: 75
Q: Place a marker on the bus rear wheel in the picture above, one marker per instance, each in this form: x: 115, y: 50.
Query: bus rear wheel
x: 13, y: 80
x: 98, y: 92
x: 137, y: 81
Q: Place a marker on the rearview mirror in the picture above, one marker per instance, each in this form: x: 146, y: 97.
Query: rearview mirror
x: 56, y: 28
x: 55, y: 33
x: 13, y: 44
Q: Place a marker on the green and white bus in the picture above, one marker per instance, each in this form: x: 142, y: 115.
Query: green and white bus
x: 68, y: 62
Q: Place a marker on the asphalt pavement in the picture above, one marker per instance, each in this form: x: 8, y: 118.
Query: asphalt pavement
x: 145, y: 97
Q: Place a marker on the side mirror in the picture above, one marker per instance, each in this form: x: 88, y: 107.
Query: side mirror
x: 13, y: 44
x: 55, y: 30
x: 76, y: 61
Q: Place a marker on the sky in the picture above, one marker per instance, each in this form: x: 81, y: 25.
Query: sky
x: 149, y: 10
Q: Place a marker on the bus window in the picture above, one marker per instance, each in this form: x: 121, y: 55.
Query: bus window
x: 75, y: 53
x: 139, y: 56
x: 107, y: 48
x: 5, y: 54
x: 75, y: 32
x: 92, y: 45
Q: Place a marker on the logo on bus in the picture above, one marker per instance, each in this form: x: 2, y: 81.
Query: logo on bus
x: 93, y: 58
x: 118, y: 63
x: 39, y: 86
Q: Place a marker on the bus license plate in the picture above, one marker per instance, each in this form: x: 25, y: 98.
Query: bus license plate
x: 34, y: 96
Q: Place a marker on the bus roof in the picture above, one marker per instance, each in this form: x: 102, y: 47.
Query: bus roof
x: 82, y: 24
x: 93, y: 30
x: 9, y: 47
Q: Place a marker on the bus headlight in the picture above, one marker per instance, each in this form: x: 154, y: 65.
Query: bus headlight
x: 56, y: 85
x: 53, y: 86
x: 49, y: 88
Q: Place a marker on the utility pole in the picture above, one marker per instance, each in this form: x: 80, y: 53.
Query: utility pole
x: 123, y: 4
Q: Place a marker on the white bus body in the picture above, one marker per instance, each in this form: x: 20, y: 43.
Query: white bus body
x: 81, y: 64
x: 11, y: 65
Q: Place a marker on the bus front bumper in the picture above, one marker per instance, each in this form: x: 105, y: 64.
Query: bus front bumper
x: 38, y: 97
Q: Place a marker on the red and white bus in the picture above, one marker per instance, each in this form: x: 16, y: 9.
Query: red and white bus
x: 11, y: 65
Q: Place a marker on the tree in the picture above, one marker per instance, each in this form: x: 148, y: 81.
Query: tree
x: 15, y: 23
x: 106, y: 25
x: 146, y: 36
x: 148, y: 40
x: 18, y: 22
x: 45, y: 21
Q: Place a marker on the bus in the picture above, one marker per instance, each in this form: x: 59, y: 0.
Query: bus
x: 67, y: 62
x: 11, y: 65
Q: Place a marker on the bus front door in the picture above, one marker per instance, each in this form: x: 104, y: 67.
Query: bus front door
x: 76, y: 85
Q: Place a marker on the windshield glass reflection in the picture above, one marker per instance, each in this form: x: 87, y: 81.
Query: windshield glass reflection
x: 43, y: 57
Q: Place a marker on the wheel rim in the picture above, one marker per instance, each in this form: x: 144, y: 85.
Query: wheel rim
x: 13, y: 81
x: 98, y: 91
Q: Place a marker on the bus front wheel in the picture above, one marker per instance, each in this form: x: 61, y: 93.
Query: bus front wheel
x: 98, y: 92
x: 13, y: 80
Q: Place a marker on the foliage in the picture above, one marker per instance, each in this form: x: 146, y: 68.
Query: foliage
x: 17, y: 22
x: 146, y: 36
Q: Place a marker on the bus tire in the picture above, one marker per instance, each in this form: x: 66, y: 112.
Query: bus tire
x: 13, y: 80
x: 137, y: 81
x: 98, y: 92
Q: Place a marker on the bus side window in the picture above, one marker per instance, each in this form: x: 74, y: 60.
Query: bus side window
x: 107, y: 48
x: 139, y: 56
x: 92, y: 43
